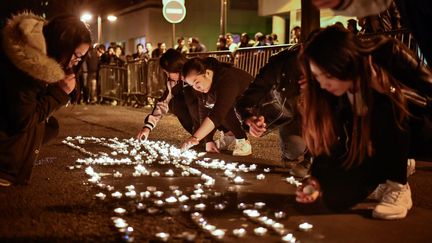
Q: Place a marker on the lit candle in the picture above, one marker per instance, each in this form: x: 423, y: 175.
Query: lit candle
x: 251, y: 213
x: 158, y: 193
x: 305, y: 226
x: 117, y: 174
x: 280, y: 214
x: 131, y: 194
x: 183, y: 198
x: 185, y: 208
x: 259, y: 205
x: 120, y: 211
x: 120, y: 223
x: 267, y: 170
x: 101, y: 196
x: 260, y: 231
x: 162, y: 236
x: 116, y: 194
x: 238, y: 180
x: 200, y: 206
x: 145, y: 194
x: 289, y: 238
x: 218, y: 233
x: 220, y: 206
x: 260, y: 177
x: 159, y: 203
x: 171, y: 200
x: 239, y: 232
x: 169, y: 173
x: 140, y: 206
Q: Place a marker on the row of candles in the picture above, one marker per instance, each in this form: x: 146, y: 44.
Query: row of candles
x: 149, y: 152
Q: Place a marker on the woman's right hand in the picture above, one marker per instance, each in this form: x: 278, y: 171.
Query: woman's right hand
x: 257, y: 126
x: 143, y: 133
x: 309, y: 191
x: 68, y: 83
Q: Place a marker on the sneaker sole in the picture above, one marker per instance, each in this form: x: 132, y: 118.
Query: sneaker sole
x: 389, y: 217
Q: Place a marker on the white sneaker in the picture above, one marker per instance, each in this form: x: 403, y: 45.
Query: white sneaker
x: 395, y: 202
x: 242, y: 148
x: 224, y: 141
x: 379, y: 192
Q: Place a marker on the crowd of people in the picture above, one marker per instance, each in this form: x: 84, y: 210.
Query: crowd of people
x: 352, y: 113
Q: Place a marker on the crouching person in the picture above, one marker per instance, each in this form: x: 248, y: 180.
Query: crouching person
x: 361, y: 122
x: 218, y: 86
x: 271, y: 103
x: 38, y: 61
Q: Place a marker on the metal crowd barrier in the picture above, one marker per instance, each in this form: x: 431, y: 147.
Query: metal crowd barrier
x: 142, y: 80
x: 113, y: 82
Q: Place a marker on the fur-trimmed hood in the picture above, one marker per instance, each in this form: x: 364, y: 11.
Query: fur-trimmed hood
x: 24, y: 44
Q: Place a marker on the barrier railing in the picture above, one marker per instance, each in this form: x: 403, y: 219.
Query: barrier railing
x: 143, y: 80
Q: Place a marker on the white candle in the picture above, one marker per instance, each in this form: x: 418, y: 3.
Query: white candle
x: 305, y: 226
x: 158, y: 193
x: 260, y: 231
x: 169, y: 173
x: 239, y: 232
x: 101, y: 196
x: 120, y: 211
x: 171, y: 200
x: 140, y: 206
x: 280, y: 214
x: 259, y: 205
x: 238, y: 180
x: 200, y: 206
x: 131, y: 194
x: 218, y: 233
x: 162, y: 236
x: 251, y: 213
x: 116, y: 194
x: 260, y: 177
x: 289, y: 238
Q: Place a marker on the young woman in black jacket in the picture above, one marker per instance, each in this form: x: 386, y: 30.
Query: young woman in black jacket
x: 38, y: 60
x: 360, y: 121
x: 219, y: 85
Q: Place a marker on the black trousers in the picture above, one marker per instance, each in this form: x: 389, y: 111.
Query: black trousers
x: 184, y: 105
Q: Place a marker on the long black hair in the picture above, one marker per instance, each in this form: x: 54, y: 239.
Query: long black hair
x: 172, y: 61
x: 63, y: 34
x: 199, y: 65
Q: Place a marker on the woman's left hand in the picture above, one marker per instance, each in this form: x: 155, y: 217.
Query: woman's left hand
x: 308, y: 192
x: 192, y: 141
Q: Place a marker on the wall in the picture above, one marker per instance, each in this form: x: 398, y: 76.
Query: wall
x: 202, y: 20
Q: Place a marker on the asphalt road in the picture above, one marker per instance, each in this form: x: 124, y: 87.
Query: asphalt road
x: 60, y: 205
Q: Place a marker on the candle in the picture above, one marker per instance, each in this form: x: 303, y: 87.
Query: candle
x: 260, y: 231
x: 280, y: 214
x: 116, y: 194
x: 305, y: 226
x: 162, y: 236
x: 238, y: 180
x: 251, y: 213
x: 183, y: 198
x: 171, y: 200
x: 120, y: 211
x: 289, y: 238
x: 140, y: 206
x: 259, y: 205
x: 131, y: 194
x: 218, y: 233
x: 159, y: 203
x: 145, y: 194
x: 120, y: 223
x: 169, y: 173
x: 117, y: 174
x: 200, y: 206
x: 158, y: 193
x: 220, y: 206
x: 239, y: 232
x: 101, y: 196
x: 260, y: 177
x: 185, y: 208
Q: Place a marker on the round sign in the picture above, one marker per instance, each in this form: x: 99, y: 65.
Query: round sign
x: 174, y: 12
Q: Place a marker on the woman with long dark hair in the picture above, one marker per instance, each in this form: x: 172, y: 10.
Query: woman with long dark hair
x: 39, y: 61
x: 359, y: 123
x: 218, y: 85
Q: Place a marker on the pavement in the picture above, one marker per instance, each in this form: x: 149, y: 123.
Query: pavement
x: 60, y: 204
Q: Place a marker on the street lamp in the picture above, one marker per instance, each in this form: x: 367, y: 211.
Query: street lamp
x: 86, y: 17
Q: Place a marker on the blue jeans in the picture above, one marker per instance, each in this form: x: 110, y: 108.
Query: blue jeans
x: 290, y: 141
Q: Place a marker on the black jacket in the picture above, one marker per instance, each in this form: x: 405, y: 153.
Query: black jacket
x: 28, y: 95
x: 277, y: 81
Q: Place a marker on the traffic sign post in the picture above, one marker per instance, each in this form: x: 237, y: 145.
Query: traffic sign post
x: 174, y: 12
